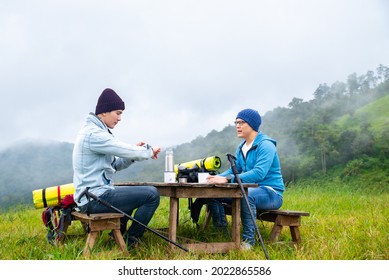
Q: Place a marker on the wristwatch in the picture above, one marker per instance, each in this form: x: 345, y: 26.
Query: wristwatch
x: 229, y: 178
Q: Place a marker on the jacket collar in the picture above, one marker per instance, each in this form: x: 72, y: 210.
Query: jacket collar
x: 258, y: 139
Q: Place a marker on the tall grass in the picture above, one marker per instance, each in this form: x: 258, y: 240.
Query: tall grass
x: 348, y: 221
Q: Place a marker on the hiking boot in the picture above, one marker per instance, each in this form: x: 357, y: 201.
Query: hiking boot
x: 245, y: 246
x: 132, y: 242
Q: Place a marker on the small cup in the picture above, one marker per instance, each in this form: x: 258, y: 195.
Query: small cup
x: 202, y: 177
x: 183, y: 180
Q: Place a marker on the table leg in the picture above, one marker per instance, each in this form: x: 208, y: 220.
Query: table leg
x: 236, y: 222
x: 178, y: 211
x: 173, y: 219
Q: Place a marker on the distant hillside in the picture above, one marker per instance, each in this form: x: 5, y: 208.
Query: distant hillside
x: 345, y: 125
x: 30, y: 165
x: 377, y: 112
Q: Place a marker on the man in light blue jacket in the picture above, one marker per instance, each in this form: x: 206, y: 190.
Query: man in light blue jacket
x: 97, y: 155
x: 257, y: 162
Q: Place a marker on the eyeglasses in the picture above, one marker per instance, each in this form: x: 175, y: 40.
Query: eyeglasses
x: 240, y: 123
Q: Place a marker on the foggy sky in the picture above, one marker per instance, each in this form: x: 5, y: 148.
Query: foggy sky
x: 183, y: 68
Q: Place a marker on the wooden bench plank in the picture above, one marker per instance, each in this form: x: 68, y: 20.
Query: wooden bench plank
x: 99, y: 216
x: 287, y: 212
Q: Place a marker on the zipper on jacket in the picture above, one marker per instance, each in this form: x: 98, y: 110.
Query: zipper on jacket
x: 245, y: 157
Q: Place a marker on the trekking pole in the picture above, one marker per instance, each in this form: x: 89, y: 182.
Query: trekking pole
x: 232, y: 159
x: 105, y: 203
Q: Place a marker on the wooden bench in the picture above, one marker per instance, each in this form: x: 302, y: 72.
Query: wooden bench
x: 94, y: 224
x: 280, y: 218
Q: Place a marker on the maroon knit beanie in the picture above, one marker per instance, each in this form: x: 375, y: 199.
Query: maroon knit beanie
x: 109, y: 101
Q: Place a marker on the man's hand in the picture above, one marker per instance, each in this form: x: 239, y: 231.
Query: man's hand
x: 156, y: 151
x: 215, y: 179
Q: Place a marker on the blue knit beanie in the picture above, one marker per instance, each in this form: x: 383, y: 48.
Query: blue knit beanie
x: 109, y: 101
x: 250, y: 116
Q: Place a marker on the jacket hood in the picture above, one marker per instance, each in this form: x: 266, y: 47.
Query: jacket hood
x: 92, y: 118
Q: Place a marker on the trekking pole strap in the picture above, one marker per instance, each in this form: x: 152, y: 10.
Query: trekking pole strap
x: 88, y: 196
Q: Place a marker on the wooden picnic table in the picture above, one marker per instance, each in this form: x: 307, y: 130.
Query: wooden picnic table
x: 199, y: 190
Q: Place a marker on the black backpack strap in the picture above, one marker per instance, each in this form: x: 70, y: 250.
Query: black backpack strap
x: 195, y: 209
x: 50, y: 220
x: 44, y: 198
x: 64, y: 222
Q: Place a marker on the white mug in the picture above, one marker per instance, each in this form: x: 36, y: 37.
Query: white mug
x: 170, y: 177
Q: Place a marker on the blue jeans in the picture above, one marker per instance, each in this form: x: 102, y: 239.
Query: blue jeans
x: 128, y: 198
x: 261, y: 198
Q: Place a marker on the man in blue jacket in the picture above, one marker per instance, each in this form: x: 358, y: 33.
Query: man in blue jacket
x: 257, y: 162
x: 97, y: 155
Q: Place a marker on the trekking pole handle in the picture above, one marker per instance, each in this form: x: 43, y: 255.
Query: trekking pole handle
x: 232, y: 159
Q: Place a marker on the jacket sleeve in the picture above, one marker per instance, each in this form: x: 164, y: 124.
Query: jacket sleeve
x: 104, y: 143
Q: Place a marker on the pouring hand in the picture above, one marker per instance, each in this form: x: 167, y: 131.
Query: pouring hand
x: 156, y: 151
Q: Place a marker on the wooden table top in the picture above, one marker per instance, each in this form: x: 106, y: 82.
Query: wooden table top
x: 188, y: 190
x: 192, y: 185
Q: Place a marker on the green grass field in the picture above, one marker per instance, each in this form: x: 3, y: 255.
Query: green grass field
x: 348, y: 221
